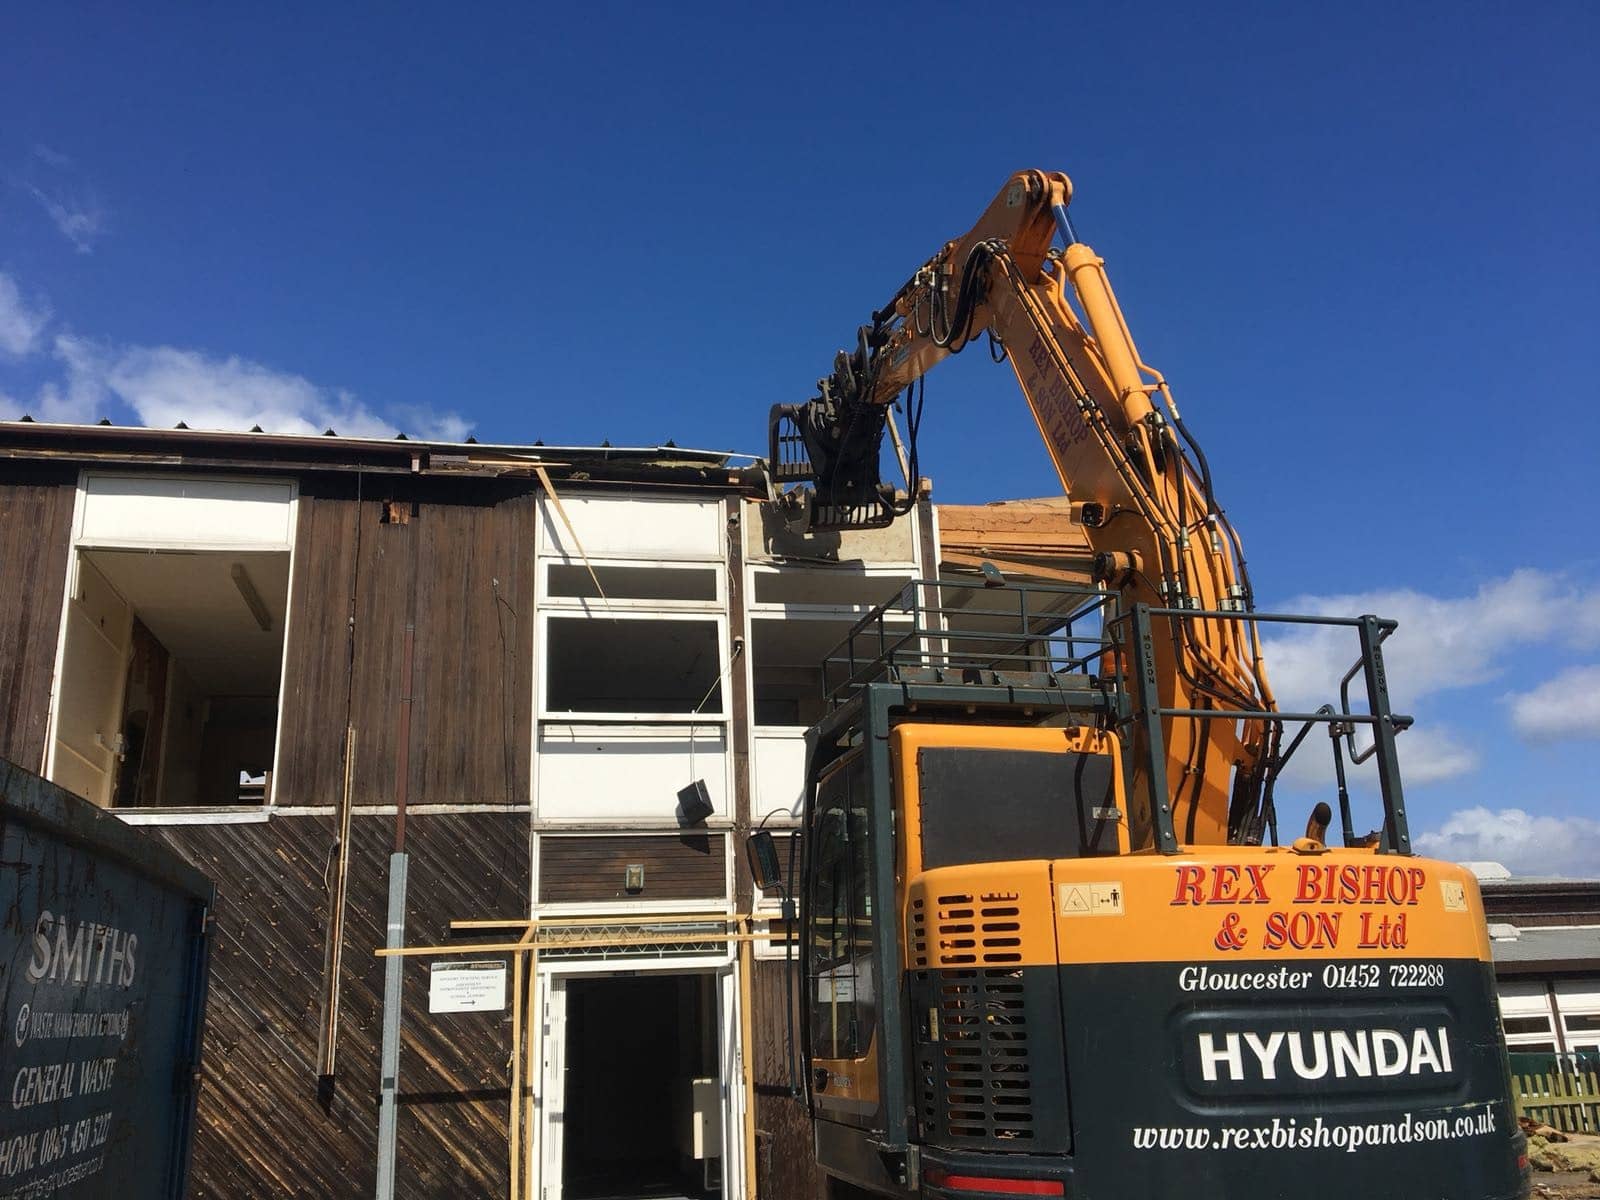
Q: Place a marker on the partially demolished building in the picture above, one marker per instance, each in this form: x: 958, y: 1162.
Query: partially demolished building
x: 567, y: 681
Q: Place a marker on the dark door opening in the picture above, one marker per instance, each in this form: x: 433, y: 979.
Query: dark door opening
x: 635, y: 1047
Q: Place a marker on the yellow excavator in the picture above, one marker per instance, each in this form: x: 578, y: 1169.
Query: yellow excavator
x: 1051, y: 943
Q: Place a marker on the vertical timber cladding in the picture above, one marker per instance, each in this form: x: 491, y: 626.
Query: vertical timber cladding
x: 454, y: 1087
x: 36, y: 503
x: 362, y: 544
x: 309, y: 766
x: 786, y: 1167
x: 466, y: 546
x: 260, y: 1090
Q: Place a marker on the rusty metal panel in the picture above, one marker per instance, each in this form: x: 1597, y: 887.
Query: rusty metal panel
x: 35, y: 531
x: 103, y: 971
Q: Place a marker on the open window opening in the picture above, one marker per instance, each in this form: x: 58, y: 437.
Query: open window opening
x: 786, y: 666
x: 602, y: 666
x: 642, y: 1114
x: 787, y: 672
x: 170, y: 677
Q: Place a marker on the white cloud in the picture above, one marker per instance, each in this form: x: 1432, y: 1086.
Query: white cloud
x: 56, y: 184
x: 1567, y: 706
x: 165, y: 385
x: 423, y: 422
x: 1427, y: 754
x: 1443, y: 642
x: 76, y: 212
x: 82, y: 396
x: 54, y: 157
x: 21, y: 323
x: 1526, y: 843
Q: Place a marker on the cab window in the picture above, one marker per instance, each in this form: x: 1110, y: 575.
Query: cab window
x: 842, y: 940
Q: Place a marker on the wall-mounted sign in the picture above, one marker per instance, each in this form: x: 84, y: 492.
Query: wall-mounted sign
x: 467, y: 986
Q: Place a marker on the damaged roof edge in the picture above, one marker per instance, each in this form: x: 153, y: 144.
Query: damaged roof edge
x: 323, y: 452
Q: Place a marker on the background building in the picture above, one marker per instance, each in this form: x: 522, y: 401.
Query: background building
x: 1545, y: 934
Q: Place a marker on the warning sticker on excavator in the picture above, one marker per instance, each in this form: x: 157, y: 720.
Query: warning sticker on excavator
x: 1090, y: 899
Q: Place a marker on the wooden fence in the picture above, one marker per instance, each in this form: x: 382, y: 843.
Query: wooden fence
x: 1562, y: 1090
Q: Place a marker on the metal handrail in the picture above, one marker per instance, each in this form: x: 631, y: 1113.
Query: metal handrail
x: 907, y: 632
x: 1385, y: 724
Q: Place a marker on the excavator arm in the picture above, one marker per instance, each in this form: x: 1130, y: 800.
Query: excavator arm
x: 1136, y: 477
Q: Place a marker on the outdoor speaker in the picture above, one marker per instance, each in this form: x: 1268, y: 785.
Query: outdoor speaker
x: 694, y: 803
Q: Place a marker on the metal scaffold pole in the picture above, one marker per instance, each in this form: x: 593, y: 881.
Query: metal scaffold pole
x: 389, y: 1069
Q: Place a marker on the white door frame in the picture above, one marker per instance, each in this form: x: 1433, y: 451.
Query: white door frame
x: 546, y: 1149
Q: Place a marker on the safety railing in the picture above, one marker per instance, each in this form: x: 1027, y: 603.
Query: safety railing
x: 968, y: 631
x: 1136, y: 631
x: 1062, y: 636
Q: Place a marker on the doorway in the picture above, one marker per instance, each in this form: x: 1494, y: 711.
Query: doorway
x: 641, y: 1114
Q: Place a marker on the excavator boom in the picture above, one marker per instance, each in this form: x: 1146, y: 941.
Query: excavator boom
x: 1138, y: 481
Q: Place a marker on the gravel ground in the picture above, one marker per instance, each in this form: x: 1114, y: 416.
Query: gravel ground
x: 1564, y: 1185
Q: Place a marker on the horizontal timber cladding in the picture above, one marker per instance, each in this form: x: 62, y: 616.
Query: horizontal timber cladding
x: 268, y: 1128
x: 452, y: 557
x: 36, y: 503
x: 689, y: 865
x: 785, y: 1166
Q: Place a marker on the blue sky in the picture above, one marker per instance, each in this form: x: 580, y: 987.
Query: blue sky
x: 1359, y: 239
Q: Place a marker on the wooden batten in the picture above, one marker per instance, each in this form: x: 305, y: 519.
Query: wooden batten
x: 1039, y: 539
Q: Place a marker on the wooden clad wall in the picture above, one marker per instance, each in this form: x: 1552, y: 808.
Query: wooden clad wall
x: 309, y: 768
x: 786, y: 1168
x: 264, y: 1131
x: 579, y: 867
x: 456, y: 559
x: 35, y: 534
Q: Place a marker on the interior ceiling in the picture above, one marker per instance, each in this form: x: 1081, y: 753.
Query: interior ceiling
x: 190, y: 602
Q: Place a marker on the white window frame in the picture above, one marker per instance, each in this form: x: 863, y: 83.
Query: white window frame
x: 547, y: 715
x: 80, y: 544
x: 1521, y: 1001
x: 905, y: 572
x: 1574, y: 1003
x: 596, y: 607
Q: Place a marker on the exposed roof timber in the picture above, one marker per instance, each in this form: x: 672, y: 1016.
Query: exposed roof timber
x: 212, y: 449
x: 1056, y: 571
x: 1041, y: 539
